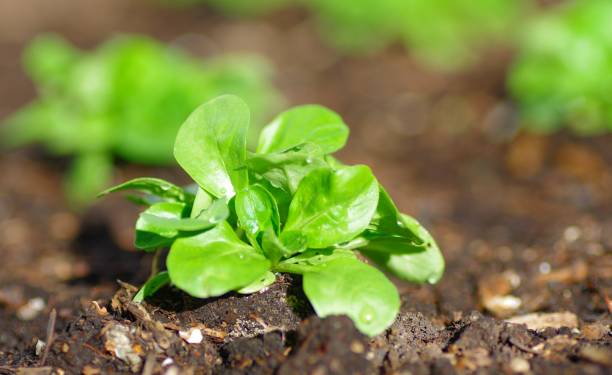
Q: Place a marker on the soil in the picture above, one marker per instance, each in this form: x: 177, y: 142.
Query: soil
x: 524, y: 221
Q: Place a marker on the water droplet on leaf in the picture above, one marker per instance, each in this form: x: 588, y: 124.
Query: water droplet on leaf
x: 367, y: 314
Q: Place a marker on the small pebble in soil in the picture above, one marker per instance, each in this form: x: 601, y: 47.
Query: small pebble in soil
x: 539, y: 321
x: 40, y: 346
x: 544, y: 267
x: 118, y: 341
x: 571, y: 234
x: 192, y: 336
x: 167, y: 362
x: 31, y: 309
x: 519, y: 365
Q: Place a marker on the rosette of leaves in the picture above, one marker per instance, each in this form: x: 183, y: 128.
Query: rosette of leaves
x: 444, y: 34
x: 126, y: 100
x: 562, y: 76
x: 288, y: 207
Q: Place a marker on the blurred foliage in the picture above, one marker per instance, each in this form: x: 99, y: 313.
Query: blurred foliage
x: 451, y: 33
x: 237, y: 7
x: 563, y: 74
x: 445, y: 34
x: 126, y: 99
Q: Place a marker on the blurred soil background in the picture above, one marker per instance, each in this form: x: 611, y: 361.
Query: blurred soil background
x: 524, y: 221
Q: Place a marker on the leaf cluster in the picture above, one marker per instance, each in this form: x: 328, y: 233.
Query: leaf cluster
x: 124, y: 99
x: 288, y: 207
x: 561, y: 77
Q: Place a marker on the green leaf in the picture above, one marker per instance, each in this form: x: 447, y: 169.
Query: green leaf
x: 265, y: 281
x: 304, y: 124
x: 289, y: 243
x: 211, y: 146
x: 333, y: 162
x: 48, y: 60
x: 152, y: 285
x: 286, y: 169
x: 163, y: 222
x: 154, y: 186
x: 151, y: 231
x: 311, y: 259
x: 332, y: 207
x: 390, y: 244
x: 300, y: 154
x: 418, y: 267
x: 387, y: 221
x: 89, y: 174
x: 214, y: 263
x: 350, y: 287
x: 201, y: 202
x: 213, y: 215
x: 256, y: 211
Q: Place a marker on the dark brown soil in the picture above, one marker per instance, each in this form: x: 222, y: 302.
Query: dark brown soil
x: 525, y: 223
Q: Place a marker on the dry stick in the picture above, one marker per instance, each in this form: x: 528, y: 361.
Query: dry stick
x: 149, y: 365
x: 522, y: 347
x: 50, y: 336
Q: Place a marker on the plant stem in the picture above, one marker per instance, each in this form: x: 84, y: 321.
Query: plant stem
x: 155, y: 262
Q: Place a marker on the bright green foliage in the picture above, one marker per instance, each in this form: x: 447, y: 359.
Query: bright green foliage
x: 450, y: 34
x: 125, y: 99
x: 214, y: 263
x: 152, y: 285
x: 349, y: 286
x: 325, y: 129
x: 211, y: 146
x: 332, y: 207
x: 244, y: 7
x: 290, y: 207
x: 446, y: 34
x: 563, y: 74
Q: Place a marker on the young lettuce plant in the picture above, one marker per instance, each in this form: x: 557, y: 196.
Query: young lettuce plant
x: 561, y: 76
x: 125, y: 99
x: 288, y: 207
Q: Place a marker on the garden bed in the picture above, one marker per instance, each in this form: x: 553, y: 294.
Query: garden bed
x: 525, y: 227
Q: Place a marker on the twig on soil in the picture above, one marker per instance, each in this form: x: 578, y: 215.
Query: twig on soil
x: 149, y: 365
x: 522, y: 347
x: 50, y: 336
x: 127, y: 286
x: 93, y: 349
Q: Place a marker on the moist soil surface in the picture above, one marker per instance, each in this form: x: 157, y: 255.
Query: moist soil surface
x: 524, y: 221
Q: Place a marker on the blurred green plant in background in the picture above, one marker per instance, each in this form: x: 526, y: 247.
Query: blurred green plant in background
x: 445, y: 34
x: 237, y: 7
x: 451, y: 34
x: 563, y: 73
x: 125, y: 99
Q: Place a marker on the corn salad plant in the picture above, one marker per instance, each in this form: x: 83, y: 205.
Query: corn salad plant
x: 288, y: 207
x: 125, y: 99
x: 562, y: 76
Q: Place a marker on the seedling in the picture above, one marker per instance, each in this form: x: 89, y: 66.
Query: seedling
x: 125, y: 99
x: 288, y: 207
x: 561, y: 77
